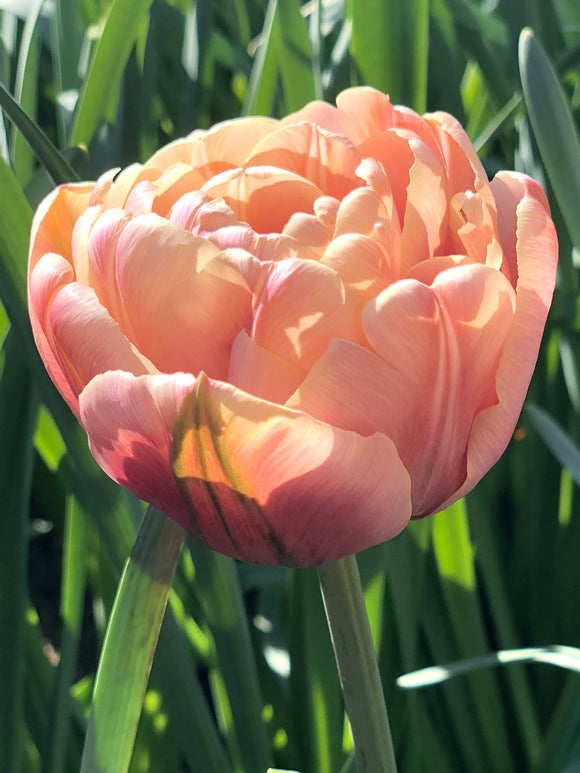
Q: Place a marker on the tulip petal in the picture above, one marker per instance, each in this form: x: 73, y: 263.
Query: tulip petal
x: 300, y: 307
x: 129, y: 422
x: 87, y: 340
x: 182, y: 302
x: 536, y: 249
x: 327, y: 160
x: 271, y: 485
x: 264, y: 197
x: 53, y: 223
x: 262, y: 373
x: 50, y: 274
x: 360, y: 262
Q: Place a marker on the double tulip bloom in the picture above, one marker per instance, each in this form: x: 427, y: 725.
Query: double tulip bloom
x: 293, y: 336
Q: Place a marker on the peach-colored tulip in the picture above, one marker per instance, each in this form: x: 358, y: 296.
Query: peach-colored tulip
x: 293, y: 336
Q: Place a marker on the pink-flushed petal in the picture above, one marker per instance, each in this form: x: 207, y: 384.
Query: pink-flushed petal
x: 182, y: 302
x: 437, y: 351
x: 101, y: 245
x: 199, y: 213
x: 536, y: 250
x: 299, y: 307
x: 160, y: 195
x: 50, y: 274
x: 327, y: 160
x: 264, y: 197
x: 361, y: 263
x: 262, y: 373
x: 54, y: 220
x: 87, y: 340
x: 464, y: 169
x: 129, y: 421
x: 271, y: 485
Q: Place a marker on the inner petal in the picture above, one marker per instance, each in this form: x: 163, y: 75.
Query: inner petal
x: 264, y: 197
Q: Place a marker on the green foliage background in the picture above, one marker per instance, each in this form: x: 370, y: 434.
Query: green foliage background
x: 243, y: 676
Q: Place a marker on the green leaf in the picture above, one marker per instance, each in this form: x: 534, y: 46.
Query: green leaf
x: 390, y: 47
x: 556, y: 655
x: 120, y: 32
x: 565, y: 451
x: 263, y: 78
x: 218, y: 588
x: 554, y: 128
x: 130, y: 644
x: 17, y: 419
x: 48, y: 155
x: 294, y: 55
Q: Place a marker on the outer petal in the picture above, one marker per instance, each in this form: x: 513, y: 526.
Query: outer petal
x: 434, y: 369
x: 536, y: 250
x: 129, y: 422
x: 54, y: 221
x: 271, y: 485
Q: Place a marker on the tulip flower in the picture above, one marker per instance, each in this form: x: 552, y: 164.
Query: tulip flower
x: 294, y: 336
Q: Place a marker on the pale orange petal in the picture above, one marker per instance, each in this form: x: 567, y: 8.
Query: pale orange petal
x: 536, y: 249
x: 327, y: 160
x: 264, y: 197
x: 300, y: 307
x: 262, y: 373
x: 54, y: 220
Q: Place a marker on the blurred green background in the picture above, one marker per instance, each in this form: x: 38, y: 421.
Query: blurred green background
x: 244, y: 675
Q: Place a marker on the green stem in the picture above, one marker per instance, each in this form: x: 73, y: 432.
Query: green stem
x: 130, y: 644
x: 357, y: 665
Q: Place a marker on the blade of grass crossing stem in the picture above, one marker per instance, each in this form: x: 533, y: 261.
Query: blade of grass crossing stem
x: 390, y: 47
x: 264, y: 75
x: 218, y: 590
x: 317, y: 706
x: 565, y: 451
x: 130, y: 644
x: 25, y: 91
x: 454, y: 556
x: 294, y: 56
x: 58, y: 168
x: 110, y: 57
x: 71, y: 613
x: 554, y: 128
x: 18, y: 407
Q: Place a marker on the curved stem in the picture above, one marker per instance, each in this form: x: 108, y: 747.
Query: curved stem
x: 357, y: 665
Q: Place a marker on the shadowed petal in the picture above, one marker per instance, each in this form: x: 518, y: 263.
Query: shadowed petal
x: 270, y: 485
x: 129, y: 421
